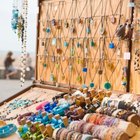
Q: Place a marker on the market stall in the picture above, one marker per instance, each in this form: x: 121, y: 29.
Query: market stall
x: 87, y: 60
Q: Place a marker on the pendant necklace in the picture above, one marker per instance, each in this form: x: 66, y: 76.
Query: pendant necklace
x: 92, y: 84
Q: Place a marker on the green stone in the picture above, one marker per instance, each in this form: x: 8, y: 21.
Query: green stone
x: 92, y: 43
x: 45, y: 65
x: 91, y: 85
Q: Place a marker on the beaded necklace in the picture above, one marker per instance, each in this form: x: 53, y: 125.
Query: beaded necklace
x: 19, y: 25
x: 24, y: 42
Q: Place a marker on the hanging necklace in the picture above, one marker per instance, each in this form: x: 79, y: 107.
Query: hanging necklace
x: 112, y: 18
x: 46, y: 57
x: 24, y: 42
x: 92, y: 84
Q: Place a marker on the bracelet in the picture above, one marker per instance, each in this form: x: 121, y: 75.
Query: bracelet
x: 61, y: 109
x: 86, y: 137
x: 26, y: 115
x: 87, y: 128
x: 55, y: 132
x: 41, y: 106
x: 63, y: 134
x: 59, y: 133
x: 115, y: 113
x: 7, y: 130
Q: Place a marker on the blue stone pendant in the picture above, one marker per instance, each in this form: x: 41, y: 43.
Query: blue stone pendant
x: 54, y: 41
x: 111, y: 45
x: 66, y: 44
x: 107, y: 85
x: 84, y: 86
x: 91, y: 85
x: 84, y: 70
x: 48, y: 30
x: 88, y: 30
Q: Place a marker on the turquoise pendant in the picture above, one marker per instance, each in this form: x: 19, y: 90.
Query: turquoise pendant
x: 48, y: 30
x: 84, y: 86
x: 107, y: 86
x: 66, y: 44
x: 78, y: 45
x: 92, y: 44
x: 88, y: 30
x: 54, y: 41
x: 111, y: 45
x: 91, y: 85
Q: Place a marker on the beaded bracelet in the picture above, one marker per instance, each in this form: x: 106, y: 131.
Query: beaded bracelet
x: 26, y: 115
x: 61, y: 109
x: 41, y: 106
x: 7, y: 130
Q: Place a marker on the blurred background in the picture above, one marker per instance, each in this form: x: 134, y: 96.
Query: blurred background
x: 9, y: 42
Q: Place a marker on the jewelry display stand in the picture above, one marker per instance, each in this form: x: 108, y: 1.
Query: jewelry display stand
x: 79, y: 43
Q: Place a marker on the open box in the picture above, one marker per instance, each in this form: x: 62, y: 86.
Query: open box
x: 72, y: 50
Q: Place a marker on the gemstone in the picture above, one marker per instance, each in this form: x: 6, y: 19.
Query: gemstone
x: 51, y: 77
x: 72, y: 51
x: 91, y: 85
x: 66, y: 44
x: 88, y: 30
x: 45, y: 65
x: 92, y: 44
x: 53, y: 22
x: 84, y: 86
x: 124, y: 83
x: 48, y: 30
x: 54, y: 41
x: 102, y: 31
x: 100, y: 72
x: 59, y: 51
x: 78, y: 44
x: 113, y: 19
x: 107, y: 85
x: 111, y: 45
x: 91, y: 20
x: 66, y: 24
x: 84, y: 69
x: 15, y: 13
x: 79, y: 79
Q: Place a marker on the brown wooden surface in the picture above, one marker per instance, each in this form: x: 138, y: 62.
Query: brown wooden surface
x: 135, y: 75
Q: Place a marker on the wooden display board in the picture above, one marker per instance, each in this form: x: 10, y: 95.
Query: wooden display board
x: 135, y: 70
x: 65, y: 52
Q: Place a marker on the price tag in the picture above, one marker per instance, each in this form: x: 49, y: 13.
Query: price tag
x: 127, y: 55
x: 131, y: 4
